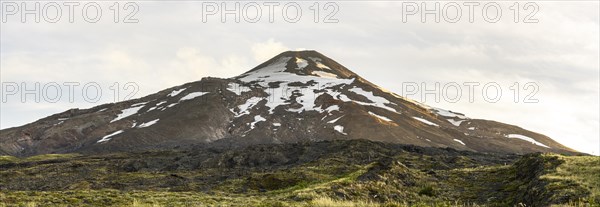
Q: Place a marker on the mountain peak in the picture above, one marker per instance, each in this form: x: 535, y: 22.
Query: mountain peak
x: 301, y: 63
x: 302, y: 53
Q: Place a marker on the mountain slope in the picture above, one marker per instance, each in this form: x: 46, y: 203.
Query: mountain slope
x: 294, y: 97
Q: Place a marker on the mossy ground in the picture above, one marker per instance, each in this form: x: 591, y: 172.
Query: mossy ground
x: 345, y: 173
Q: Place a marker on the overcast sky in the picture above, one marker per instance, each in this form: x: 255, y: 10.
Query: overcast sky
x: 171, y: 45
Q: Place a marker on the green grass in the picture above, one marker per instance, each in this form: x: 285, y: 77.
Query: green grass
x: 48, y: 157
x: 329, y: 202
x: 348, y: 178
x: 8, y: 159
x: 581, y: 170
x: 121, y: 198
x: 330, y: 179
x: 5, y: 159
x: 170, y: 199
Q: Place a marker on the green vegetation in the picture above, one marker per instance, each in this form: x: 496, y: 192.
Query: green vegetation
x: 578, y: 174
x: 48, y: 157
x: 340, y: 173
x: 10, y: 159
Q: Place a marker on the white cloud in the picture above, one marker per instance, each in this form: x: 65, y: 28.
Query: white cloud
x: 264, y: 51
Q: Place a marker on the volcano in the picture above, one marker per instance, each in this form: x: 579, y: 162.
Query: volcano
x: 297, y: 96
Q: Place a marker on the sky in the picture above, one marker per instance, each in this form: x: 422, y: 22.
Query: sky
x: 538, y: 62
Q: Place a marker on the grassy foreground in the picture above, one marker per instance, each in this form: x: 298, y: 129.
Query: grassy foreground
x: 345, y: 173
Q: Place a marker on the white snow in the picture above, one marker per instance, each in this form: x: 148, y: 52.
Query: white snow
x: 459, y: 141
x: 471, y: 128
x: 317, y: 61
x: 455, y: 122
x: 447, y: 113
x: 251, y: 102
x: 404, y: 98
x: 192, y: 95
x: 108, y: 137
x: 526, y: 138
x: 60, y: 122
x: 147, y: 124
x: 277, y: 124
x: 175, y: 92
x: 127, y: 112
x: 156, y: 106
x: 380, y: 117
x: 340, y: 129
x: 324, y: 74
x: 332, y: 108
x: 320, y: 65
x: 377, y: 101
x: 139, y: 104
x: 333, y: 121
x: 280, y: 96
x: 304, y: 95
x: 171, y: 105
x: 425, y: 121
x: 276, y: 67
x: 257, y: 119
x: 306, y: 98
x: 324, y: 82
x: 302, y: 63
x: 237, y: 88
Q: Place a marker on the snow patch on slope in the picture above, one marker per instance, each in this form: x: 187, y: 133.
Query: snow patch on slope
x: 139, y: 104
x: 108, y: 137
x: 317, y: 61
x: 331, y: 108
x: 324, y: 74
x: 333, y: 121
x: 147, y: 124
x: 192, y: 96
x: 127, y: 112
x: 243, y: 109
x: 322, y: 66
x: 447, y: 113
x: 380, y: 117
x: 340, y: 129
x: 459, y: 141
x: 176, y: 92
x: 425, y: 121
x: 237, y: 88
x: 526, y: 138
x: 302, y: 63
x: 377, y: 101
x: 455, y: 122
x: 257, y: 119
